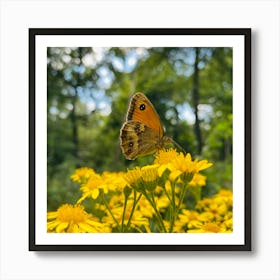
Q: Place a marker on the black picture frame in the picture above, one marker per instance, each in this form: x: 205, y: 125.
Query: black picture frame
x: 33, y: 35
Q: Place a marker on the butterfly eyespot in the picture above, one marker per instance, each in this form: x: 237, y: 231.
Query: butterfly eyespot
x: 142, y: 107
x: 130, y: 144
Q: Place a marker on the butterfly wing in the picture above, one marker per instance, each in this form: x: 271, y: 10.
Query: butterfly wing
x: 142, y: 110
x: 137, y: 139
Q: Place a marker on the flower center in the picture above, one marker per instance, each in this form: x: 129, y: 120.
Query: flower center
x: 71, y: 213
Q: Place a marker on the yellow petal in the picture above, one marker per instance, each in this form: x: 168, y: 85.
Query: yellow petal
x: 86, y: 228
x: 82, y: 198
x: 95, y: 193
x: 168, y: 186
x: 75, y: 229
x: 94, y: 223
x: 196, y: 230
x: 62, y: 226
x: 174, y: 174
x: 52, y: 225
x: 161, y: 169
x: 52, y: 215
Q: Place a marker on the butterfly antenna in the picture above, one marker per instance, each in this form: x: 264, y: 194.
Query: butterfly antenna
x: 177, y: 145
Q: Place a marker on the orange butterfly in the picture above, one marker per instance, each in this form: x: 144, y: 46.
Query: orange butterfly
x: 142, y: 133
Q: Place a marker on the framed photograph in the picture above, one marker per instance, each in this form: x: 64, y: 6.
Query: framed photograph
x: 140, y: 139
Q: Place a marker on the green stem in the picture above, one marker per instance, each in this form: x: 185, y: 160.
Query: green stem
x: 133, y: 208
x: 124, y: 210
x: 108, y: 208
x: 173, y: 207
x: 172, y: 219
x: 166, y: 192
x: 177, y: 209
x: 182, y: 195
x: 153, y: 203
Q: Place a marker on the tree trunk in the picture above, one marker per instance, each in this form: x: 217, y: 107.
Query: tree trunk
x: 74, y: 117
x: 197, y: 130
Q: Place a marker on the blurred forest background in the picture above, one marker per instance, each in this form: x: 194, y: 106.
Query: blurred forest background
x: 88, y: 94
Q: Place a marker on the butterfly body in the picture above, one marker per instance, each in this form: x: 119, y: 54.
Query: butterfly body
x: 142, y: 133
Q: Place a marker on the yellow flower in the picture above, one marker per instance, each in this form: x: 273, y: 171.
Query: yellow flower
x: 156, y: 187
x: 206, y: 217
x: 142, y: 179
x: 224, y: 196
x: 73, y: 219
x: 219, y: 205
x: 201, y: 165
x: 178, y: 164
x: 149, y: 173
x: 224, y: 193
x: 184, y: 165
x: 132, y: 176
x: 92, y: 187
x: 162, y: 202
x: 202, y: 204
x: 82, y: 174
x: 165, y: 156
x: 198, y: 180
x: 218, y: 209
x: 206, y: 228
x: 108, y: 181
x: 227, y: 225
x: 114, y: 180
x: 212, y: 214
x: 145, y: 208
x: 187, y: 217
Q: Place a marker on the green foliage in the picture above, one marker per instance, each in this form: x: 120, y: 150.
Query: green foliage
x: 88, y: 94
